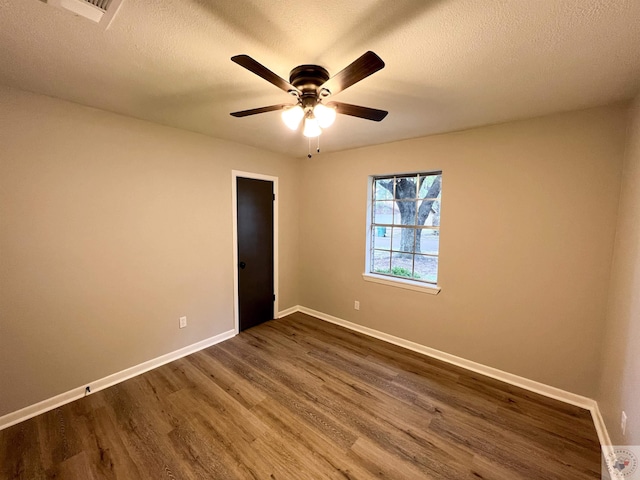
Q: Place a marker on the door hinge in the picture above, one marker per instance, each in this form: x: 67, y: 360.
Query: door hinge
x: 274, y: 297
x: 274, y: 197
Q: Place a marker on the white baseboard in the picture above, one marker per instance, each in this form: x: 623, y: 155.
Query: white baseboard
x: 601, y: 428
x: 288, y: 311
x: 608, y: 451
x: 510, y: 378
x: 100, y: 384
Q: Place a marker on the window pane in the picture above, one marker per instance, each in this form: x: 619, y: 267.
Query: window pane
x: 427, y: 182
x: 403, y: 239
x: 406, y: 187
x: 396, y: 214
x: 434, y: 215
x: 381, y: 239
x: 429, y: 240
x: 381, y: 262
x: 381, y: 189
x: 383, y: 212
x: 404, y: 212
x: 402, y: 265
x: 426, y: 268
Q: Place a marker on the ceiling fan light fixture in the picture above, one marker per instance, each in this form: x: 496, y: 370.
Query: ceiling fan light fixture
x: 311, y: 85
x: 293, y: 116
x: 311, y: 127
x: 325, y: 115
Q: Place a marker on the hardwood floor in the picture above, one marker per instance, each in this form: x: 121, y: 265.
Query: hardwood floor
x: 298, y: 398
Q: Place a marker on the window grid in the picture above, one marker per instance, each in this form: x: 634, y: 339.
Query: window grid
x: 408, y: 253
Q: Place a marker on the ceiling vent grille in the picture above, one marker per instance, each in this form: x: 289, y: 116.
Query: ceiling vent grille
x: 101, y: 4
x: 99, y: 11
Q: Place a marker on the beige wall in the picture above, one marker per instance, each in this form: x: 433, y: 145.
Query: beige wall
x: 112, y: 228
x: 620, y: 376
x: 527, y: 232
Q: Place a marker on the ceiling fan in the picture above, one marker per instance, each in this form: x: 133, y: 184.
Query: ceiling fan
x: 311, y: 85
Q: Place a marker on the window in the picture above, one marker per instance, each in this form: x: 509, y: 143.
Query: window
x: 404, y: 235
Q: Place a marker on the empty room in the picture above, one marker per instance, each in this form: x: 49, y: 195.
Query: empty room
x: 342, y: 240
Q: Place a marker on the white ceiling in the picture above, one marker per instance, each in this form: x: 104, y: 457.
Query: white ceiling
x: 450, y: 64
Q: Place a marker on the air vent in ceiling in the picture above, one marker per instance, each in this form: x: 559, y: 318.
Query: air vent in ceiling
x: 102, y: 4
x: 99, y: 11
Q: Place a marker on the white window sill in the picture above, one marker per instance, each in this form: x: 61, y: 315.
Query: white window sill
x: 401, y: 283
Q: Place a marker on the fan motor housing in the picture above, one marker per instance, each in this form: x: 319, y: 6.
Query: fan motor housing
x: 307, y: 78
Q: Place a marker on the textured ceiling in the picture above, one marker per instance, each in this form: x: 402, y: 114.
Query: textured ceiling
x: 450, y: 64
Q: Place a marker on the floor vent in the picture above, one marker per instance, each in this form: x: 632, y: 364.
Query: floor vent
x: 99, y: 11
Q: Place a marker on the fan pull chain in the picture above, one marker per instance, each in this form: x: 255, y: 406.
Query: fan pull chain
x: 309, y: 155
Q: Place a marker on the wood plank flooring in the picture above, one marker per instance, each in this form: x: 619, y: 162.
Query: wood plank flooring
x: 298, y: 398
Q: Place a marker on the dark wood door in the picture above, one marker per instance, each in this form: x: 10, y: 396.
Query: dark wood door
x: 255, y: 251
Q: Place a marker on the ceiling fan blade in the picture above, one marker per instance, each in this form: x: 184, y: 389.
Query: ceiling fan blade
x: 358, y: 111
x: 366, y: 65
x: 255, y: 111
x: 250, y: 64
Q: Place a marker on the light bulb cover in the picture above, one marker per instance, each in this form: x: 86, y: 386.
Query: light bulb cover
x: 311, y: 127
x: 325, y: 115
x: 292, y: 116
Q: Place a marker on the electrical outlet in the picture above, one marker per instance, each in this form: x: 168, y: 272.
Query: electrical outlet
x: 623, y: 422
x: 356, y: 305
x: 183, y: 322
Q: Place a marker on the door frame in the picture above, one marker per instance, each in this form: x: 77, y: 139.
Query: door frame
x: 234, y: 207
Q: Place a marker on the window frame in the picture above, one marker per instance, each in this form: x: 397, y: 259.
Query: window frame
x: 390, y: 279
